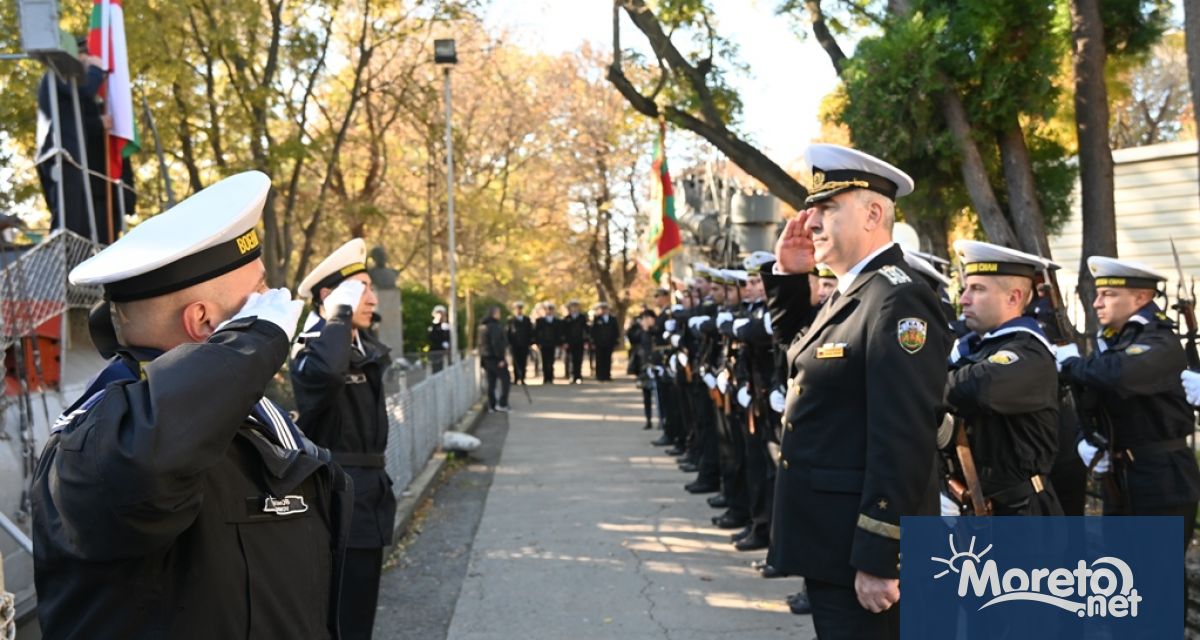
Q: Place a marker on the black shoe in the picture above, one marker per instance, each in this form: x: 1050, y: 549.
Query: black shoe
x: 799, y: 604
x: 753, y: 542
x: 676, y: 451
x: 662, y: 442
x: 647, y: 427
x: 769, y: 572
x: 682, y: 459
x: 698, y: 487
x: 718, y: 501
x: 747, y: 530
x: 726, y: 521
x: 688, y: 467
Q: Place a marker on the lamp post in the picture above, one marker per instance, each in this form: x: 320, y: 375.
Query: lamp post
x: 445, y: 55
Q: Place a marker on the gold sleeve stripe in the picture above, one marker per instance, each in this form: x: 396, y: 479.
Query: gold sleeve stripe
x: 878, y: 527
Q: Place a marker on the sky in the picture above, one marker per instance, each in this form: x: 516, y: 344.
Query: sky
x: 781, y: 93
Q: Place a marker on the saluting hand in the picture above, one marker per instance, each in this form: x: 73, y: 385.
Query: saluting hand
x: 876, y: 594
x: 794, y: 251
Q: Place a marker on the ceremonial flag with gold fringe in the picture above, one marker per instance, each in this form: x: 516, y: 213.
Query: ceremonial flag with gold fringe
x: 664, y: 238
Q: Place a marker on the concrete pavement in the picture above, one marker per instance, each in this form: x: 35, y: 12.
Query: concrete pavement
x: 587, y: 533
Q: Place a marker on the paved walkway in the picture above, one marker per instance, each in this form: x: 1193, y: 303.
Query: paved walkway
x: 587, y: 533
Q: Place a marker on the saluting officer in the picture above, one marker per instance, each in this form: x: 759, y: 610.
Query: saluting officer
x: 337, y: 376
x: 1003, y: 381
x: 860, y: 420
x: 1143, y: 417
x: 439, y: 338
x: 172, y: 499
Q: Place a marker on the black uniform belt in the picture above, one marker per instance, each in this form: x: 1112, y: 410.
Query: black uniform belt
x: 1019, y: 491
x: 370, y: 460
x: 1162, y: 446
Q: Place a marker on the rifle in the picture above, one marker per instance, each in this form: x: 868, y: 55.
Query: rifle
x: 1185, y: 304
x: 980, y: 506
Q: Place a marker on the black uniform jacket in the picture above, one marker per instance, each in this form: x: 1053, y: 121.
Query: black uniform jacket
x: 1136, y: 379
x: 605, y: 332
x: 493, y: 341
x: 575, y: 330
x: 439, y: 336
x: 520, y: 332
x: 1004, y: 385
x: 339, y: 394
x: 547, y: 332
x: 162, y: 511
x: 860, y: 423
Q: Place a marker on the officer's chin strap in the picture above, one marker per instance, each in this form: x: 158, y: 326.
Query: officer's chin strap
x: 102, y: 330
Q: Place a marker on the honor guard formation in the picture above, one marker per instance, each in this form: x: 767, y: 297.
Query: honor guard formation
x: 816, y: 394
x: 821, y: 392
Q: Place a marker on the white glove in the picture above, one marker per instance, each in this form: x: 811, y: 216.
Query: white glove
x: 767, y: 324
x: 1087, y: 452
x: 949, y: 507
x: 669, y: 325
x: 1064, y: 353
x: 348, y: 293
x: 723, y: 381
x: 674, y: 340
x: 777, y: 401
x: 671, y: 365
x: 743, y: 396
x: 683, y: 359
x: 275, y: 306
x: 710, y: 381
x: 1191, y: 386
x: 739, y: 323
x: 694, y: 322
x: 724, y: 317
x: 666, y: 335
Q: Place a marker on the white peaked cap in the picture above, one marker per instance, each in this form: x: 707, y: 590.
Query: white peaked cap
x: 348, y: 260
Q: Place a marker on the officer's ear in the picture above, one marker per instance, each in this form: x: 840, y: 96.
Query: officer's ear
x: 200, y: 320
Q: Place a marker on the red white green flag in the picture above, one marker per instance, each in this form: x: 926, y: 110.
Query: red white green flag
x: 665, y: 240
x: 106, y: 40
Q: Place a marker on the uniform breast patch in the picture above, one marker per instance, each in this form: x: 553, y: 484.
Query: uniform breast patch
x: 894, y: 274
x: 911, y: 334
x: 831, y: 350
x: 1137, y: 349
x: 1003, y: 357
x: 284, y: 506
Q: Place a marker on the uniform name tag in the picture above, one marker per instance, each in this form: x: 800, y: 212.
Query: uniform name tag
x: 284, y: 506
x: 831, y: 350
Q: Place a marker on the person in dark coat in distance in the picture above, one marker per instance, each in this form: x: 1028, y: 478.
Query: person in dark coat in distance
x: 574, y: 338
x: 641, y: 346
x: 493, y: 347
x: 547, y: 333
x: 520, y: 339
x: 439, y: 339
x: 173, y: 500
x: 337, y: 376
x: 605, y: 334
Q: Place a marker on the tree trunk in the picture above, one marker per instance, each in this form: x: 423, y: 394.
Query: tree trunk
x: 1191, y: 28
x: 1023, y: 204
x: 1095, y: 155
x: 974, y: 173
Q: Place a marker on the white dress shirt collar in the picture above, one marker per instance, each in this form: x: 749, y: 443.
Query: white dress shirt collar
x: 847, y: 279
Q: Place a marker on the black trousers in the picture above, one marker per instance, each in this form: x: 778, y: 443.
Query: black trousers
x: 576, y: 361
x: 604, y: 363
x: 733, y: 461
x: 837, y: 615
x: 360, y: 593
x: 547, y: 362
x: 496, y: 373
x: 648, y: 403
x: 520, y: 360
x: 707, y: 437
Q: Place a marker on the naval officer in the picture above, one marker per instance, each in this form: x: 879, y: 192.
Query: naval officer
x: 860, y: 420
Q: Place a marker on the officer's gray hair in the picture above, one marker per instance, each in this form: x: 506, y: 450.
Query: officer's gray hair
x: 866, y: 197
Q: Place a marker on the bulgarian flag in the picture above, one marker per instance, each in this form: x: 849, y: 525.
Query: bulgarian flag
x: 665, y: 240
x: 106, y: 40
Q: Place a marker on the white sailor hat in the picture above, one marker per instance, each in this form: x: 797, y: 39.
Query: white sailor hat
x: 207, y: 235
x: 923, y: 266
x: 986, y: 259
x: 1111, y: 272
x: 439, y: 307
x: 349, y: 260
x: 755, y: 261
x: 836, y: 169
x: 737, y: 276
x: 519, y: 303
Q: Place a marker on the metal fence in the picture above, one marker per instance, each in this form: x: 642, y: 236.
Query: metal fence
x: 420, y: 413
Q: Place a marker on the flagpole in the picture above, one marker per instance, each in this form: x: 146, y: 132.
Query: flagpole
x: 106, y: 51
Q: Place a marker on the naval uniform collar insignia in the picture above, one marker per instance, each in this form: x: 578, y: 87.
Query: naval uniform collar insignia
x: 894, y: 274
x: 285, y: 506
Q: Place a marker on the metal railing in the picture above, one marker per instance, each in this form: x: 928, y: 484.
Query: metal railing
x: 419, y: 414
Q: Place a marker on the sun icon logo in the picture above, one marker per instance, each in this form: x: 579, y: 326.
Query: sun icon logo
x: 957, y: 558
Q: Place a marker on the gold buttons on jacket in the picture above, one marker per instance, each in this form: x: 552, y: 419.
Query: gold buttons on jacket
x: 785, y: 464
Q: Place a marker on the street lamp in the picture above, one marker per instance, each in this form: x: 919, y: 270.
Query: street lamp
x: 445, y: 55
